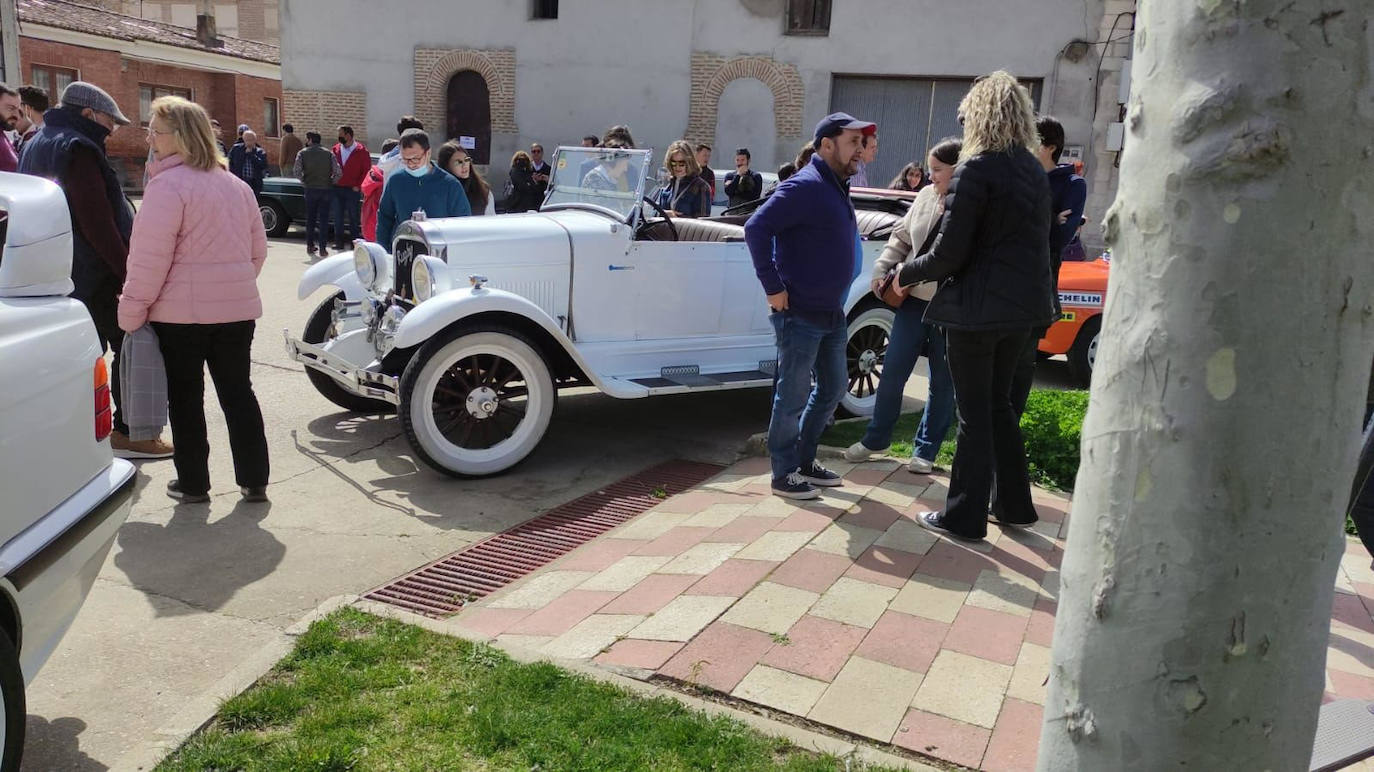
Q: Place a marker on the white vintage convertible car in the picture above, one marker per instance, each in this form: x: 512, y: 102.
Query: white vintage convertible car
x: 471, y: 325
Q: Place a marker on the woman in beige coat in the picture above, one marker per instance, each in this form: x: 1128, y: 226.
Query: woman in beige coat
x: 911, y: 337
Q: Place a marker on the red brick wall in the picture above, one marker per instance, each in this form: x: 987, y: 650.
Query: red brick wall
x: 230, y: 99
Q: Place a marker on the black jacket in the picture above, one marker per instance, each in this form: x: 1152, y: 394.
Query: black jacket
x: 992, y: 256
x: 524, y: 191
x: 743, y: 188
x: 97, y: 268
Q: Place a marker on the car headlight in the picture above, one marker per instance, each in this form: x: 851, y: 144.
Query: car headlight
x: 428, y: 277
x: 363, y: 264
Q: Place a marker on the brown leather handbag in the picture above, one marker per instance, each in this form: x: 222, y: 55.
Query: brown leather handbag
x: 887, y: 291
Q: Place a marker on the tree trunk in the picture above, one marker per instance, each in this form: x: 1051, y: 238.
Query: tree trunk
x: 1226, y: 404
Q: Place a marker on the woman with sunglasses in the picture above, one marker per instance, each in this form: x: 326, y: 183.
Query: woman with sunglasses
x: 686, y: 194
x: 454, y: 159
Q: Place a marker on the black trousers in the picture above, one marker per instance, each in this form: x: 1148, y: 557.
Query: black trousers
x: 1025, y: 372
x: 1362, y: 497
x: 104, y: 310
x: 983, y: 365
x: 317, y: 204
x: 187, y: 349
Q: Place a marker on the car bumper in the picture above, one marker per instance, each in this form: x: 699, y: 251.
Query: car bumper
x: 358, y: 380
x: 52, y: 583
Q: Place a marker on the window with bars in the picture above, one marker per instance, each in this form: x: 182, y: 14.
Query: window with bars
x: 808, y: 17
x: 148, y: 92
x: 271, y: 124
x: 544, y: 9
x: 52, y: 79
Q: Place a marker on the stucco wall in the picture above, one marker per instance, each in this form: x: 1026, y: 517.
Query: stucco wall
x: 603, y: 63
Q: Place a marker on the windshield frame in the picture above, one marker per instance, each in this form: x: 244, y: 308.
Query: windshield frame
x: 571, y: 159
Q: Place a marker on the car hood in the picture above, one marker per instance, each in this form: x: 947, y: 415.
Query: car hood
x: 512, y: 239
x: 1090, y: 275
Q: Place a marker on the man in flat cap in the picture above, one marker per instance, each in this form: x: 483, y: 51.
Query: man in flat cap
x: 70, y: 150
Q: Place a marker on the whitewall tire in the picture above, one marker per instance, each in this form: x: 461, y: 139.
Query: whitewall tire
x: 865, y: 351
x: 476, y: 402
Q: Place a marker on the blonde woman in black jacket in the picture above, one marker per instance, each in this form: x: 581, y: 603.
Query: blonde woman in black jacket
x: 992, y: 263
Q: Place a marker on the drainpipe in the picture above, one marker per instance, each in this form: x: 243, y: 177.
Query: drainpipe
x: 9, y: 43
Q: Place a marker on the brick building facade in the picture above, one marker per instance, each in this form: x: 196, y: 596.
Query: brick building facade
x: 135, y: 60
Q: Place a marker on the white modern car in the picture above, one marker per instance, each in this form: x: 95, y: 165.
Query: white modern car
x: 471, y: 325
x: 65, y: 494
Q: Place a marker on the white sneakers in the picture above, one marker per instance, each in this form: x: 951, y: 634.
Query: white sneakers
x: 858, y: 452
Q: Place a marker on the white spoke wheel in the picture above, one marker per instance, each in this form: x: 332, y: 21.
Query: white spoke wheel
x: 12, y: 701
x: 476, y: 402
x: 864, y: 354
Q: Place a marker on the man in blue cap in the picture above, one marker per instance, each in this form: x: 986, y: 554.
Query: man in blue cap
x: 802, y: 243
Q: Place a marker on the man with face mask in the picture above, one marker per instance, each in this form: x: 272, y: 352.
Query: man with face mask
x: 71, y: 150
x: 418, y: 186
x: 33, y: 102
x: 356, y: 163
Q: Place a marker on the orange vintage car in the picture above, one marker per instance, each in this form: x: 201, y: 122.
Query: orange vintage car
x: 1082, y: 290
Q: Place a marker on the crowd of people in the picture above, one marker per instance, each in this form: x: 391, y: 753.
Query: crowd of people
x: 971, y: 270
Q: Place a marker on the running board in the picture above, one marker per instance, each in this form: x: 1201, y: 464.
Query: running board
x: 677, y: 380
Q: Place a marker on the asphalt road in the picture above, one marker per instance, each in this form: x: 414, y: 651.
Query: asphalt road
x: 190, y: 591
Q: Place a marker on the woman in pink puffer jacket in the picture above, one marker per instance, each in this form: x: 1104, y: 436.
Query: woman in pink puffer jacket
x: 197, y: 248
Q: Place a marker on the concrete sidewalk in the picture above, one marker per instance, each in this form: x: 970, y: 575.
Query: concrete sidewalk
x: 843, y: 610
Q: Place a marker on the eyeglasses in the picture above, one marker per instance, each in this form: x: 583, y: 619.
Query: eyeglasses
x: 462, y: 161
x: 676, y: 164
x: 152, y: 130
x: 537, y: 151
x: 413, y: 163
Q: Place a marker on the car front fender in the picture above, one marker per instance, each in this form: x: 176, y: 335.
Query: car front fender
x: 433, y: 315
x: 334, y: 271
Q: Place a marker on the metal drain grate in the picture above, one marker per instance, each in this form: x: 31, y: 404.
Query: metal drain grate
x: 444, y: 586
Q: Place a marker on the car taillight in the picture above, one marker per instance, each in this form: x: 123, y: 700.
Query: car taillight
x: 104, y: 414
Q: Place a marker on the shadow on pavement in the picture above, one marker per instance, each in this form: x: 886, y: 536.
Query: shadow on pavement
x: 198, y: 562
x: 57, y: 744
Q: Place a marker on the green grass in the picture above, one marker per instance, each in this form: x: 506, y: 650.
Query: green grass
x: 1051, y: 425
x: 364, y: 693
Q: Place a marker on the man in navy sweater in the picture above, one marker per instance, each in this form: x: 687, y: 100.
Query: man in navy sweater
x: 802, y: 242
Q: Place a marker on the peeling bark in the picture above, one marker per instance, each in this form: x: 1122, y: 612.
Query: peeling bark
x: 1222, y: 431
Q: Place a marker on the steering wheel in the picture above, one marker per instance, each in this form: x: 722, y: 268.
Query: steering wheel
x: 671, y: 227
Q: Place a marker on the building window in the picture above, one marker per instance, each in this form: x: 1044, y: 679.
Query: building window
x: 270, y: 118
x: 544, y: 9
x: 147, y: 93
x: 808, y: 17
x: 51, y: 79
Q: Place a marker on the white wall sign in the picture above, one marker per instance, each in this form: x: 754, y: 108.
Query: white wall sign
x: 468, y: 143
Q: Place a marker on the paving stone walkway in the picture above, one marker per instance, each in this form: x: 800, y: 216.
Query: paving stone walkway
x: 843, y: 610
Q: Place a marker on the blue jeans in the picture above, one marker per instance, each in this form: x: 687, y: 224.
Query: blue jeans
x: 317, y: 204
x: 910, y: 338
x: 807, y: 342
x: 348, y: 205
